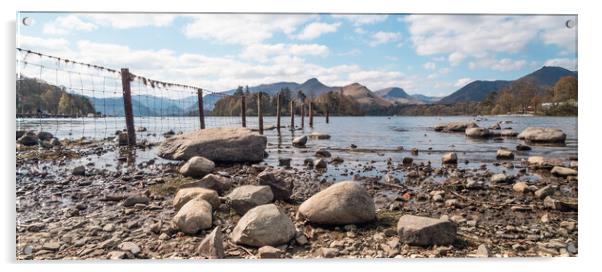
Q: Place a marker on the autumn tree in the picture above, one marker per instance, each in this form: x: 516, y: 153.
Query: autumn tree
x: 565, y: 89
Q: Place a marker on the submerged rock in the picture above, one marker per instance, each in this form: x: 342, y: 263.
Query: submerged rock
x: 226, y: 145
x: 504, y: 154
x: 425, y: 231
x: 477, y: 132
x: 543, y: 135
x: 246, y: 197
x: 319, y: 136
x: 455, y: 126
x: 264, y: 225
x: 343, y: 203
x: 197, y: 167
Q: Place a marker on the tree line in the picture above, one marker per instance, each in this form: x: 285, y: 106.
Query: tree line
x: 38, y: 97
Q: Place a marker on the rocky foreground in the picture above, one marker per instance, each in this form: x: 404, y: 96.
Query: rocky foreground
x: 218, y: 202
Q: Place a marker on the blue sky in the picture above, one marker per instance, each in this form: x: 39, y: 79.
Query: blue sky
x: 424, y: 54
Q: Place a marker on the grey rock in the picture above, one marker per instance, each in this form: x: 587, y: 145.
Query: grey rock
x: 130, y: 247
x: 323, y: 153
x: 319, y: 136
x: 425, y: 231
x: 563, y: 171
x: 79, y: 171
x: 212, y: 246
x: 449, y: 158
x: 346, y: 202
x: 300, y: 141
x: 544, y: 192
x: 269, y: 252
x: 197, y: 167
x: 195, y: 215
x: 134, y: 199
x: 263, y: 225
x: 246, y: 197
x: 44, y: 135
x: 320, y: 164
x: 504, y: 154
x: 279, y: 182
x: 477, y: 132
x: 187, y: 194
x: 455, y: 126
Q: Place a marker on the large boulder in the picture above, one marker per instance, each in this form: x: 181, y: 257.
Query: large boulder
x: 455, y: 126
x: 212, y: 246
x: 263, y: 225
x: 197, y: 167
x: 187, y: 194
x: 425, y: 231
x: 477, y: 132
x: 226, y: 145
x: 44, y: 135
x: 246, y: 197
x: 343, y: 203
x: 195, y: 215
x: 542, y: 135
x: 28, y: 139
x: 279, y: 181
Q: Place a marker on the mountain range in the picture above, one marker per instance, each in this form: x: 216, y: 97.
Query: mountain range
x: 146, y: 105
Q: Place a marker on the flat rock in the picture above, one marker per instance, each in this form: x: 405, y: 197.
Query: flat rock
x: 195, y: 215
x: 319, y: 136
x: 504, y: 154
x: 449, y: 158
x: 263, y: 225
x: 215, y: 182
x: 542, y: 135
x: 246, y: 197
x: 227, y: 145
x: 132, y: 200
x: 455, y: 126
x: 426, y: 231
x: 477, y: 132
x: 343, y: 203
x: 187, y: 194
x: 269, y: 252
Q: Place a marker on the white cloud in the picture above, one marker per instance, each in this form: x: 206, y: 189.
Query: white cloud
x: 315, y: 30
x: 362, y: 19
x: 242, y: 28
x: 480, y: 35
x: 221, y: 73
x: 263, y: 52
x: 65, y: 24
x: 382, y: 37
x: 462, y: 82
x: 502, y: 65
x: 569, y: 64
x: 353, y: 52
x: 429, y: 66
x: 455, y: 58
x: 125, y: 20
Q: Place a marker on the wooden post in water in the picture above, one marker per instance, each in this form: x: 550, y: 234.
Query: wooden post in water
x: 243, y: 110
x: 292, y: 115
x: 127, y: 105
x: 259, y: 113
x: 278, y: 113
x: 327, y: 114
x: 302, y: 115
x: 311, y: 115
x: 201, y: 110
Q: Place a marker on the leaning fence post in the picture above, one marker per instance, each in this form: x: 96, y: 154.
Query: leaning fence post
x: 292, y: 114
x: 327, y: 114
x: 201, y: 110
x: 311, y: 115
x: 243, y: 110
x: 259, y: 113
x: 127, y: 105
x: 278, y: 113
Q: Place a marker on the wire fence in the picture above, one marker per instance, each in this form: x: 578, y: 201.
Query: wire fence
x: 73, y: 99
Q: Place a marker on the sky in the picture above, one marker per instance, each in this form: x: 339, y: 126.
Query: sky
x: 424, y: 54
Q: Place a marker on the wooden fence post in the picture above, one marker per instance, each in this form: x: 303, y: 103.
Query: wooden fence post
x: 327, y: 114
x: 292, y: 114
x: 243, y: 110
x: 127, y: 105
x: 278, y: 113
x: 302, y: 115
x: 201, y: 110
x: 311, y: 115
x: 260, y: 113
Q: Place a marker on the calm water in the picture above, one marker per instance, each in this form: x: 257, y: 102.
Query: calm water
x: 377, y: 138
